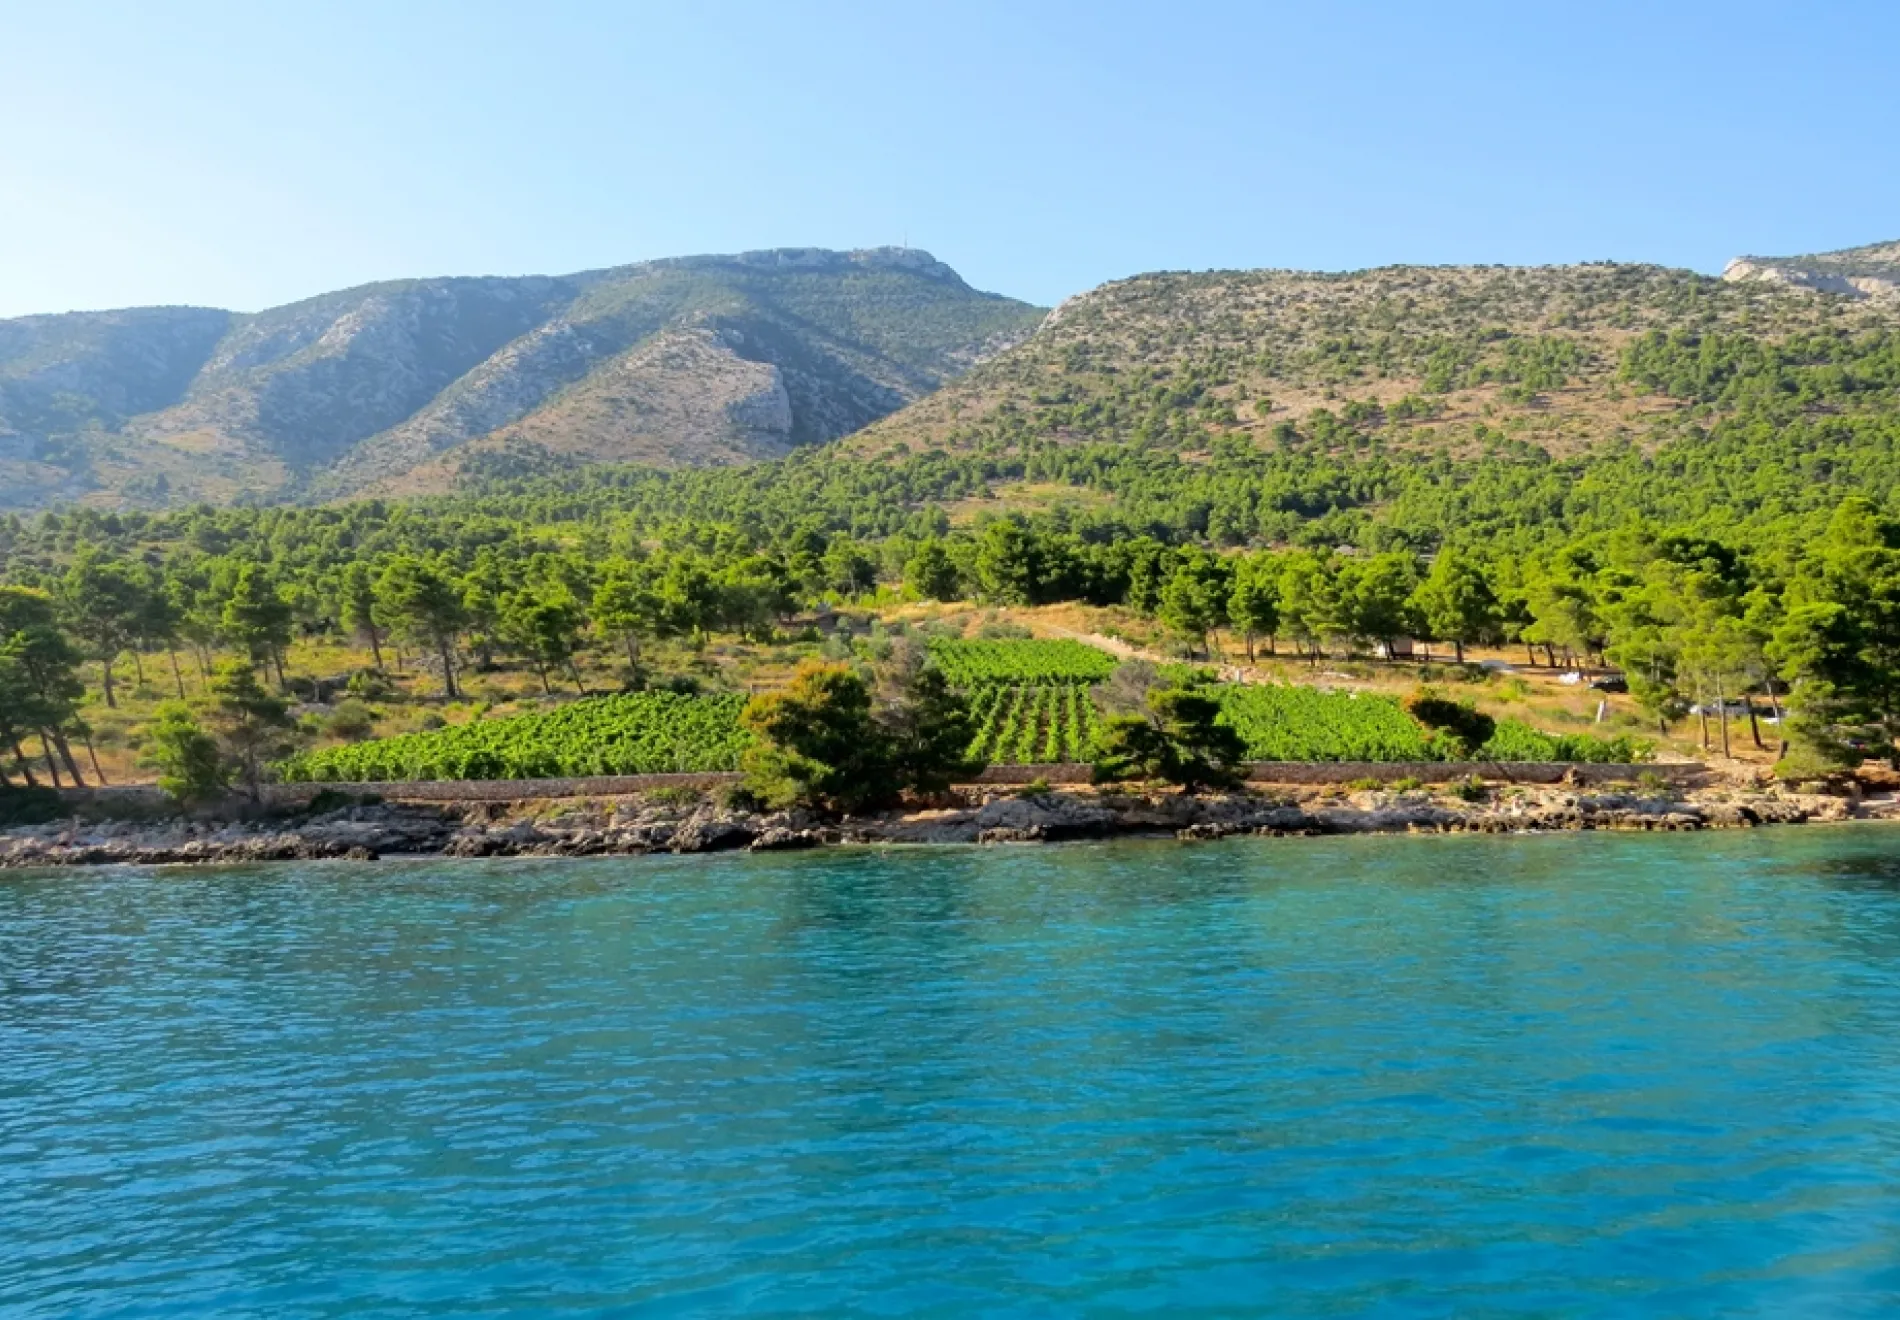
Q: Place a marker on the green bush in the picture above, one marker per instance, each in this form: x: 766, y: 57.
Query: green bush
x: 1460, y: 726
x: 191, y: 767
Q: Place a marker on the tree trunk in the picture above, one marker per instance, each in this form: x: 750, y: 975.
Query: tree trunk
x: 105, y: 667
x: 376, y: 648
x: 541, y: 672
x: 1754, y: 725
x: 138, y: 667
x: 1721, y: 715
x: 1273, y: 644
x: 52, y: 766
x: 448, y: 670
x: 277, y: 662
x: 19, y: 754
x: 1458, y: 649
x: 1702, y: 714
x: 93, y: 754
x: 575, y: 671
x: 66, y: 756
x: 178, y: 675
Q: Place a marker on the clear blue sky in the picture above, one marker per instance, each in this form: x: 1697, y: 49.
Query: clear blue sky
x: 243, y: 155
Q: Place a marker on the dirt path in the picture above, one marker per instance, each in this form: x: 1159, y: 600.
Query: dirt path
x: 1225, y: 671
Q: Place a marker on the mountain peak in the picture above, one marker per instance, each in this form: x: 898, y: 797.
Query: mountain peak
x: 399, y: 386
x: 915, y: 261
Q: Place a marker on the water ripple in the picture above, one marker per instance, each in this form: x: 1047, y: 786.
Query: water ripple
x: 1472, y: 1077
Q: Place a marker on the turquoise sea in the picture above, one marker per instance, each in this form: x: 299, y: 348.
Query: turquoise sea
x: 1576, y: 1075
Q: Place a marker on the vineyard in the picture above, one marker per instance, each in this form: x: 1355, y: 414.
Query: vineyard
x: 1032, y: 723
x: 975, y: 664
x: 637, y: 734
x: 1288, y: 723
x: 1031, y: 702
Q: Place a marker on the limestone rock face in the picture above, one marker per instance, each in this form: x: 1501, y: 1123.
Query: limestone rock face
x: 1864, y: 272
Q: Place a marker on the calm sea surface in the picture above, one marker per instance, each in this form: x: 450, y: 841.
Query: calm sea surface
x: 1590, y: 1075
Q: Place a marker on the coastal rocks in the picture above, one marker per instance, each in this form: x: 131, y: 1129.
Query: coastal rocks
x: 780, y: 839
x: 630, y: 826
x: 1046, y: 817
x: 709, y: 831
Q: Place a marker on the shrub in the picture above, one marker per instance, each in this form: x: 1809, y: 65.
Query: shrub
x: 817, y: 743
x: 370, y: 685
x: 1182, y: 740
x: 736, y: 797
x: 190, y: 766
x: 1805, y: 760
x: 1459, y: 723
x: 351, y: 721
x: 826, y: 742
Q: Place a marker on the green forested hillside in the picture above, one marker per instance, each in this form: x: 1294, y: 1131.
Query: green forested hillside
x: 1694, y: 480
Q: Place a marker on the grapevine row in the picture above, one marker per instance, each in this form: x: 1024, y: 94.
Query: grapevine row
x: 1032, y: 723
x: 972, y: 664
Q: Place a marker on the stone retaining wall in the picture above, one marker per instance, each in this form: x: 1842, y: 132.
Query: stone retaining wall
x: 1680, y: 774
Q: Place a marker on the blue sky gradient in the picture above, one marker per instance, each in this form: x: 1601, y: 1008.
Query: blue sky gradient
x: 247, y: 155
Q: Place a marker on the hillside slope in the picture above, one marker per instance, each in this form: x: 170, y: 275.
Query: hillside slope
x: 1441, y: 359
x: 399, y: 387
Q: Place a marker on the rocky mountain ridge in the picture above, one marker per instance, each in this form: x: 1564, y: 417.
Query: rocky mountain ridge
x: 399, y: 387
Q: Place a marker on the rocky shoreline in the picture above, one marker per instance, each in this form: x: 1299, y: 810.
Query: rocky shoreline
x: 632, y: 826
